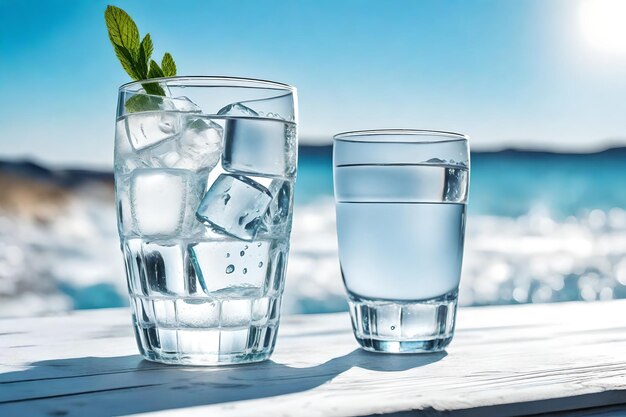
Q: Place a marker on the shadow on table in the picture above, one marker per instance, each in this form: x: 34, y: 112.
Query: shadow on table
x: 127, y: 384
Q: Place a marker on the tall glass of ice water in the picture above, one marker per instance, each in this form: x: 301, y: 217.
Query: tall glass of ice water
x: 400, y: 200
x: 204, y: 175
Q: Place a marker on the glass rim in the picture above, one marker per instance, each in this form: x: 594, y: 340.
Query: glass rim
x: 227, y: 80
x: 445, y: 136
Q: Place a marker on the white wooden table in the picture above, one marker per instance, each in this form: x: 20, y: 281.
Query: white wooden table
x: 504, y: 361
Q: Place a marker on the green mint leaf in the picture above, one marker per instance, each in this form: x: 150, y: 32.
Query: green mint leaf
x: 168, y: 65
x: 155, y: 71
x: 135, y: 58
x: 142, y: 102
x: 127, y: 61
x: 153, y: 88
x: 122, y: 30
x: 146, y: 43
x: 142, y: 63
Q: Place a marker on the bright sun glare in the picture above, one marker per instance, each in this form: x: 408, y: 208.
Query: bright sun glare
x: 603, y: 24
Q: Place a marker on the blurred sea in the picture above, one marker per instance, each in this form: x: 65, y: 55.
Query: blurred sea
x: 542, y: 227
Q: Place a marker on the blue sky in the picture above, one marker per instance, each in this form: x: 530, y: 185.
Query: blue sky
x: 508, y: 73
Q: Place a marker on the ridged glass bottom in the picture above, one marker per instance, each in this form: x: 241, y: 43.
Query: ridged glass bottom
x: 206, y: 346
x: 404, y: 327
x: 200, y: 332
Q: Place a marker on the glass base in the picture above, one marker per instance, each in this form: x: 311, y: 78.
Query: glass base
x: 206, y: 346
x: 404, y: 326
x: 186, y: 331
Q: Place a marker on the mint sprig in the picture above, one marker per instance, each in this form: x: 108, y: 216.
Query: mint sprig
x: 135, y: 57
x: 168, y: 65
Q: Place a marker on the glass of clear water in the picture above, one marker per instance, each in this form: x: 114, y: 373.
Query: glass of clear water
x: 204, y: 181
x: 400, y: 200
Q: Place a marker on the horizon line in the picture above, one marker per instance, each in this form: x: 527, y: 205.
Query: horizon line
x: 108, y: 167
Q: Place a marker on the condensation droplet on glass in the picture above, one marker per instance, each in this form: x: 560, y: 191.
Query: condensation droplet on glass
x: 230, y: 269
x: 245, y: 247
x: 228, y: 254
x: 393, y: 327
x: 242, y: 253
x: 260, y: 264
x: 258, y: 244
x: 245, y: 271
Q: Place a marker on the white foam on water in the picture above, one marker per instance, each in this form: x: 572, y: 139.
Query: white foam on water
x: 532, y: 258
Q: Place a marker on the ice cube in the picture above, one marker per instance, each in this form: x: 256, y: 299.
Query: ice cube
x: 261, y: 144
x: 237, y: 109
x: 122, y: 143
x: 258, y: 147
x: 124, y: 214
x: 147, y: 129
x: 278, y: 107
x: 235, y: 205
x: 183, y: 104
x: 223, y: 271
x: 164, y: 268
x: 159, y: 200
x: 278, y: 213
x: 198, y: 147
x: 201, y: 144
x: 164, y: 120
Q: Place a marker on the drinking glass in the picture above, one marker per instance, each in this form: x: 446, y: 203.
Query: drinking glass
x: 204, y: 175
x: 400, y: 201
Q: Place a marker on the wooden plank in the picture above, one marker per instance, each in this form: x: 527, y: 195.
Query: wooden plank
x: 504, y: 361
